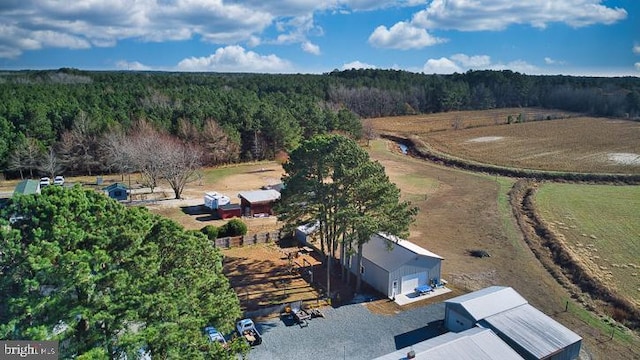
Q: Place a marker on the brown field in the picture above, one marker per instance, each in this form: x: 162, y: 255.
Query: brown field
x: 427, y: 123
x: 583, y: 144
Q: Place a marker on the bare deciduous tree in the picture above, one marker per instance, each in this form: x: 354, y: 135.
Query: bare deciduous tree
x: 218, y: 146
x: 26, y: 156
x: 180, y: 163
x: 368, y: 132
x: 142, y: 146
x: 79, y: 146
x: 50, y: 164
x: 114, y: 153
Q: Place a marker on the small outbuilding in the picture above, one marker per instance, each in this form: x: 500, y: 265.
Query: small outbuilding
x: 396, y: 266
x: 117, y: 191
x: 258, y: 202
x: 229, y: 211
x: 27, y: 187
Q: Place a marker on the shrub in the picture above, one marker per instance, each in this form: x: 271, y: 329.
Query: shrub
x: 211, y: 231
x: 235, y: 227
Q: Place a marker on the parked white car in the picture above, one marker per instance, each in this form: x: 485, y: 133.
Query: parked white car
x: 45, y: 181
x: 58, y: 180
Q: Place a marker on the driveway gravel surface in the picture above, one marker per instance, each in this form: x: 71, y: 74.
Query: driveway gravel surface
x: 348, y: 332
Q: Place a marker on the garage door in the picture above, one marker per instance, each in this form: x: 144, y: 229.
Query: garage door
x: 410, y: 282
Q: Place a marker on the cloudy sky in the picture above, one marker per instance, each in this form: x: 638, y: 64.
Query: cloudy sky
x: 575, y: 37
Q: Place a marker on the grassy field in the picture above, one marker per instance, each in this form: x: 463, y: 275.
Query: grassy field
x: 600, y: 225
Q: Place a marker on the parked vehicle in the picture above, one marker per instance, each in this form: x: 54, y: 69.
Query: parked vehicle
x: 247, y: 329
x: 58, y: 180
x: 215, y: 336
x: 213, y: 200
x: 45, y: 181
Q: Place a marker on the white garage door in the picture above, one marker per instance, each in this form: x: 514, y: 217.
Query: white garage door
x: 410, y: 282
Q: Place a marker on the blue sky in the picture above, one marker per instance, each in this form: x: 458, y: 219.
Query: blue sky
x: 572, y: 37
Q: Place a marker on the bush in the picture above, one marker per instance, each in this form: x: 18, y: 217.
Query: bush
x: 211, y: 231
x: 235, y: 227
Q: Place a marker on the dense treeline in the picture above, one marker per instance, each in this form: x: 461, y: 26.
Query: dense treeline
x: 68, y: 112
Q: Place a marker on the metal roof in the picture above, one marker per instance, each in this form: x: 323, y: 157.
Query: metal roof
x: 390, y: 254
x: 114, y: 186
x: 258, y: 196
x: 531, y: 329
x: 488, y: 301
x: 27, y: 187
x: 472, y: 344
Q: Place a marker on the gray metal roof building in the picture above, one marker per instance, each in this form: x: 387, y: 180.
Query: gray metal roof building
x: 463, y: 312
x: 533, y: 334
x: 395, y: 266
x: 526, y: 329
x: 472, y: 344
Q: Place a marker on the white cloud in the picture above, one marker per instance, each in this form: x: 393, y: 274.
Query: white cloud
x: 440, y: 66
x: 474, y: 62
x: 636, y: 49
x: 402, y: 36
x: 461, y: 62
x: 133, y: 65
x: 235, y: 58
x: 357, y: 65
x: 550, y: 61
x: 310, y: 48
x: 637, y: 66
x: 520, y: 66
x: 468, y: 15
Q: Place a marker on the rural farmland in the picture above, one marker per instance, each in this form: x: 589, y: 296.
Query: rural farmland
x: 583, y: 144
x: 600, y: 225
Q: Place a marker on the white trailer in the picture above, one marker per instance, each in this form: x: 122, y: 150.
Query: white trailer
x: 213, y: 200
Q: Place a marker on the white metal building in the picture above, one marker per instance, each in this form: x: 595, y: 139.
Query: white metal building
x: 463, y: 312
x: 395, y: 266
x: 531, y: 333
x: 472, y: 344
x: 534, y: 335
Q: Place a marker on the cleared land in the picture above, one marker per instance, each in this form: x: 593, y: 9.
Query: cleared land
x: 600, y: 225
x: 588, y: 145
x: 427, y: 123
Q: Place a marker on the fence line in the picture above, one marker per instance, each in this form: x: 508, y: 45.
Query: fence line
x: 237, y: 241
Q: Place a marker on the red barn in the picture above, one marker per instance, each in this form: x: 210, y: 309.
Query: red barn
x: 228, y: 211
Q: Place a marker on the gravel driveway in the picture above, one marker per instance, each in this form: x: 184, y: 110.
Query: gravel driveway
x: 348, y: 332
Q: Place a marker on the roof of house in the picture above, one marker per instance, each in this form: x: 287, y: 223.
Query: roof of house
x: 532, y: 330
x: 259, y: 196
x: 472, y: 344
x: 488, y: 301
x: 27, y: 187
x: 228, y: 207
x: 114, y: 186
x: 390, y: 252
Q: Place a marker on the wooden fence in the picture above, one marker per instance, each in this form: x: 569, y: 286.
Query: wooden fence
x: 236, y: 241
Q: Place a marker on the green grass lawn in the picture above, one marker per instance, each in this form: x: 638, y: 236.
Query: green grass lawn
x: 601, y: 224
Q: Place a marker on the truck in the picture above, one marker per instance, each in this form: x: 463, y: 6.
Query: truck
x: 213, y: 200
x: 247, y: 329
